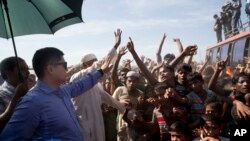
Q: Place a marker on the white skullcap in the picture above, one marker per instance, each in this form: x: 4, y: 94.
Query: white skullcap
x: 88, y: 57
x: 133, y: 74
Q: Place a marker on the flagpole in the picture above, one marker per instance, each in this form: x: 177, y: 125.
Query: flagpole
x: 21, y: 79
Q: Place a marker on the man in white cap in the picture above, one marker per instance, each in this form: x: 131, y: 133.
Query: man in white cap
x: 88, y: 106
x: 132, y: 95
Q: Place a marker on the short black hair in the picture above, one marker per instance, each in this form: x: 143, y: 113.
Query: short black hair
x: 43, y: 57
x: 181, y: 127
x: 184, y: 67
x: 9, y: 64
x: 236, y: 77
x: 169, y: 56
x: 194, y: 76
x: 160, y: 85
x: 208, y: 71
x: 124, y: 70
x: 214, y: 103
x: 168, y: 68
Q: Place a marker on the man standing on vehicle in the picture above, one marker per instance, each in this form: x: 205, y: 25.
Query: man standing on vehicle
x: 236, y: 5
x: 218, y: 28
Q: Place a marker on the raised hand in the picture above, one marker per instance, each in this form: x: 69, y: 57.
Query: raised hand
x: 127, y: 63
x: 106, y: 65
x: 118, y: 34
x: 122, y: 51
x: 130, y: 45
x: 247, y: 60
x: 176, y: 39
x: 170, y: 92
x: 22, y: 89
x: 242, y: 110
x: 240, y: 68
x: 158, y: 66
x: 190, y: 50
x: 220, y: 65
x: 126, y: 102
x: 153, y: 101
x: 140, y: 99
x: 142, y: 58
x: 164, y: 36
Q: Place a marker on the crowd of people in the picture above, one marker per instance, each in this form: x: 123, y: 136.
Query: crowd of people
x: 171, y: 98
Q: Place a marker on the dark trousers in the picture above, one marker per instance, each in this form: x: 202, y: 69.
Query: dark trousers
x: 219, y: 36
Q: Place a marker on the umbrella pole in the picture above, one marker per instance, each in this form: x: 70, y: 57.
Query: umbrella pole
x: 21, y: 79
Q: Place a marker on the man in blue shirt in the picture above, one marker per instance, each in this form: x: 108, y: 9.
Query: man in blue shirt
x: 46, y: 111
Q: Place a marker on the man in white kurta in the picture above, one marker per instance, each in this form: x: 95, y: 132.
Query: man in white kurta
x: 88, y: 106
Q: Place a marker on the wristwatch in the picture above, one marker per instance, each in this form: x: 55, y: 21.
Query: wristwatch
x: 101, y: 71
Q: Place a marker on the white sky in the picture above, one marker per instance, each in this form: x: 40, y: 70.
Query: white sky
x: 144, y: 20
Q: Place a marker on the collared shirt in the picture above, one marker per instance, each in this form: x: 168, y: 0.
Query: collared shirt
x: 7, y: 92
x: 45, y: 113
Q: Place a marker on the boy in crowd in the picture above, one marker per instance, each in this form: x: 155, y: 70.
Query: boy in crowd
x: 211, y: 130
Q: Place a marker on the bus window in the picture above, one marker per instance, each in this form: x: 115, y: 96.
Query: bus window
x: 238, y: 52
x: 218, y: 53
x: 230, y: 49
x: 224, y: 52
x: 210, y: 53
x: 229, y: 53
x: 215, y: 55
x: 247, y: 48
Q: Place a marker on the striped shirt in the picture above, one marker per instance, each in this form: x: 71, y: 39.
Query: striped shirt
x: 161, y: 119
x: 197, y: 107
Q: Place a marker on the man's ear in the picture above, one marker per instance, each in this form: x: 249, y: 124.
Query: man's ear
x: 50, y: 69
x: 84, y: 65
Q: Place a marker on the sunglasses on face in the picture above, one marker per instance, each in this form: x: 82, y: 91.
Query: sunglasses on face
x: 64, y: 64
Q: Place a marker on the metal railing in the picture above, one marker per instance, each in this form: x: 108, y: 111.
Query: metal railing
x: 241, y: 28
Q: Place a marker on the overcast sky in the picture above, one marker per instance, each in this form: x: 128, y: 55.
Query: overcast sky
x: 144, y: 20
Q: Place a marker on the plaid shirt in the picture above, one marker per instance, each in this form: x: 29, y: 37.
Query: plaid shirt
x: 6, y: 94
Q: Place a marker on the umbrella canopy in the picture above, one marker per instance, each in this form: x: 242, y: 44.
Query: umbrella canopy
x: 38, y: 16
x: 24, y: 17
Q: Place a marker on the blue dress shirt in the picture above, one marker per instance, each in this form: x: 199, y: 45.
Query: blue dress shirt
x: 46, y: 114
